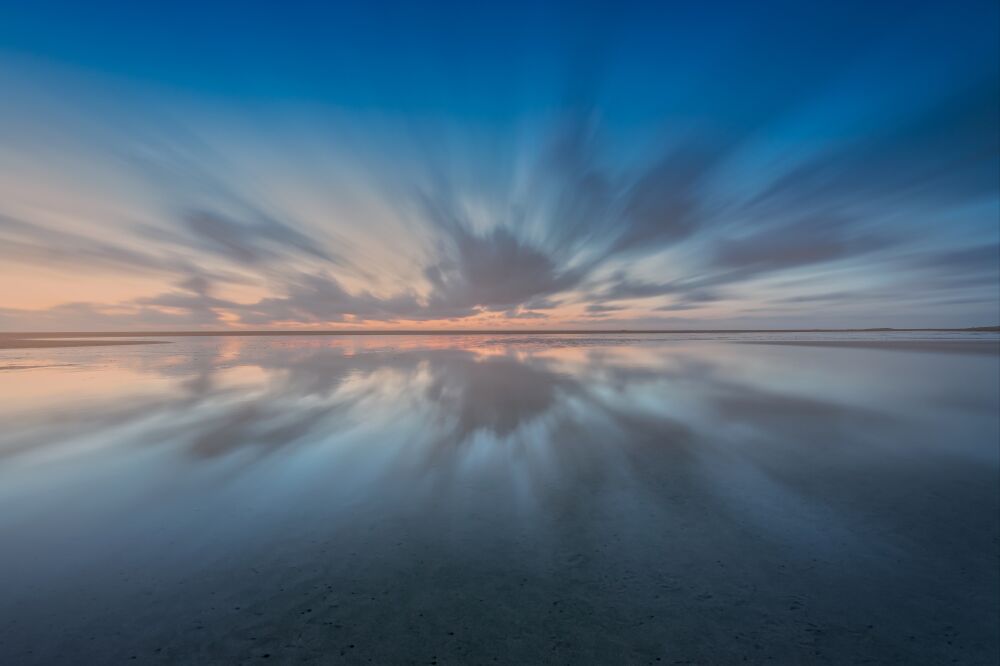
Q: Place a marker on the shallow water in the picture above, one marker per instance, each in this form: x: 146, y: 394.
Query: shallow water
x: 501, y: 499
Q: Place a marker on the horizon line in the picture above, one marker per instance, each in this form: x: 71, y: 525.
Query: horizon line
x: 506, y: 331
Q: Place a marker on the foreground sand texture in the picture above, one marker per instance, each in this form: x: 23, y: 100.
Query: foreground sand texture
x: 501, y: 500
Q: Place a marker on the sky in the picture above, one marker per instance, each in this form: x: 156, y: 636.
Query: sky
x: 326, y: 165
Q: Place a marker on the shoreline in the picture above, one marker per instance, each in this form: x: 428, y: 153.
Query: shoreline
x: 35, y: 335
x: 35, y: 343
x: 976, y: 347
x: 971, y: 345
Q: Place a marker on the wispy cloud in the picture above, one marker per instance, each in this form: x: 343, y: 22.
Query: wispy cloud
x: 620, y: 201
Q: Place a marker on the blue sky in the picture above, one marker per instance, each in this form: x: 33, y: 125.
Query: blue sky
x: 183, y: 165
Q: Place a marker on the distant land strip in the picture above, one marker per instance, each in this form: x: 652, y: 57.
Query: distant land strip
x: 41, y: 335
x: 975, y: 346
x: 11, y: 342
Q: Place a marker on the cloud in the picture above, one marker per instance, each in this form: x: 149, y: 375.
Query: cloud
x: 599, y: 309
x: 249, y: 242
x: 944, y: 154
x: 193, y: 299
x: 807, y: 241
x: 320, y: 298
x: 575, y: 211
x: 35, y: 243
x: 604, y: 212
x: 101, y: 317
x: 494, y: 271
x: 667, y: 203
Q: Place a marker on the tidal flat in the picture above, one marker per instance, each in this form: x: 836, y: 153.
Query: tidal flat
x: 482, y: 499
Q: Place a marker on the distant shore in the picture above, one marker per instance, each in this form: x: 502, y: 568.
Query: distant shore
x: 978, y: 347
x: 35, y: 343
x: 52, y: 339
x: 577, y: 331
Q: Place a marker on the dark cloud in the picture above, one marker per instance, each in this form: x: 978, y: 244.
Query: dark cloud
x: 320, y: 298
x: 207, y: 207
x: 844, y: 296
x: 589, y: 216
x: 980, y: 261
x: 541, y: 304
x: 494, y: 271
x: 244, y: 243
x: 830, y: 209
x: 484, y: 273
x: 667, y: 203
x: 250, y: 242
x: 521, y: 313
x: 193, y: 298
x: 808, y: 241
x: 687, y: 294
x: 599, y: 309
x: 34, y: 243
x: 969, y: 272
x: 605, y: 212
x: 572, y: 188
x: 692, y: 300
x: 622, y: 287
x: 753, y: 253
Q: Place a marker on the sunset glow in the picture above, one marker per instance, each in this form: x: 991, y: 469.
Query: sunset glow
x: 569, y: 333
x: 314, y: 181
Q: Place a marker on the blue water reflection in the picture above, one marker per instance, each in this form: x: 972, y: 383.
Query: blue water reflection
x: 464, y: 499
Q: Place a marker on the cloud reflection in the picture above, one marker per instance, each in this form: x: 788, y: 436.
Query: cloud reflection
x: 508, y: 461
x: 259, y: 396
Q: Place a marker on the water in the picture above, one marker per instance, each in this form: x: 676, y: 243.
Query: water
x: 502, y: 499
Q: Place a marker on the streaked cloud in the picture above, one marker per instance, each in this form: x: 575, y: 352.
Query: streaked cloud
x: 599, y: 195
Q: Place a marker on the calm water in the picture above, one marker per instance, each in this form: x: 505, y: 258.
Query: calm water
x: 519, y: 500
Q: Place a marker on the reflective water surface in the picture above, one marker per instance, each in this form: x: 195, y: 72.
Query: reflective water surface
x: 478, y: 499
